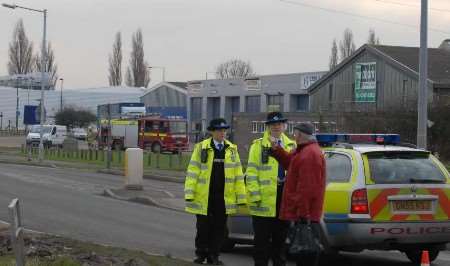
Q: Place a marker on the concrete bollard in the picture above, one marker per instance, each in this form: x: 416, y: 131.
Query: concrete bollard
x: 134, y: 168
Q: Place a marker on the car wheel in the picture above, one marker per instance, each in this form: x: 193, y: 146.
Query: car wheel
x: 415, y: 256
x: 156, y: 148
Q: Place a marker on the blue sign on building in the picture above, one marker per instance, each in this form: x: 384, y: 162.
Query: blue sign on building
x: 168, y: 111
x: 31, y: 115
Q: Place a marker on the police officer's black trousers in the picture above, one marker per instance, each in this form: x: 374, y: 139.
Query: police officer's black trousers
x: 270, y: 237
x: 211, y: 230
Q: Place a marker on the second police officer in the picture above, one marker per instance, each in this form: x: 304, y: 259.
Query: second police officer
x: 265, y: 180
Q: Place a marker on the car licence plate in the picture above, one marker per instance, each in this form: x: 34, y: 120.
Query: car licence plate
x: 411, y: 205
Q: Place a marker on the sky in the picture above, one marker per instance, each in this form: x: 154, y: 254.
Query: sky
x: 190, y: 37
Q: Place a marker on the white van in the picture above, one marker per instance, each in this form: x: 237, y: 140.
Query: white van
x: 52, y: 135
x: 55, y: 136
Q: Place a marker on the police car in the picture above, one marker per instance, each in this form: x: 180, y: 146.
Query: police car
x: 380, y: 195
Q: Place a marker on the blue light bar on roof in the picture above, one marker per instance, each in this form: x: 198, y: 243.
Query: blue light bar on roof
x: 385, y: 139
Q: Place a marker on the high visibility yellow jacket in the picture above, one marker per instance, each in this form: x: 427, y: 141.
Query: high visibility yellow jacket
x: 196, y: 189
x: 262, y: 179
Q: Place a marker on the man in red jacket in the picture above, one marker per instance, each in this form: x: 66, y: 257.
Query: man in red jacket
x: 304, y: 189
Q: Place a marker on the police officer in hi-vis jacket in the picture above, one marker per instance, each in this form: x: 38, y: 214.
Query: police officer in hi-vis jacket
x: 214, y: 188
x: 265, y: 181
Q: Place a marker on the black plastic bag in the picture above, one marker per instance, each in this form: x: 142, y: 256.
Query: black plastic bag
x: 303, y: 240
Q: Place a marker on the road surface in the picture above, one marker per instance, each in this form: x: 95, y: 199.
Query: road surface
x: 68, y: 203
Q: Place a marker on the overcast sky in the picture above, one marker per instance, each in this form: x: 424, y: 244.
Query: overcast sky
x: 190, y: 37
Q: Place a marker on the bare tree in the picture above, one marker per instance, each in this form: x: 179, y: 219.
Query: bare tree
x: 334, y: 55
x: 20, y: 51
x: 347, y: 45
x: 234, y: 68
x: 138, y: 74
x: 373, y: 39
x: 115, y: 62
x: 50, y: 65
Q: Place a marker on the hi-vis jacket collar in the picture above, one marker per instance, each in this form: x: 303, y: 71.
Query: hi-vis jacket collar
x: 206, y: 144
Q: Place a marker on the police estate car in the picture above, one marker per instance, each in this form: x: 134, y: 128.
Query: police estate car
x: 379, y: 195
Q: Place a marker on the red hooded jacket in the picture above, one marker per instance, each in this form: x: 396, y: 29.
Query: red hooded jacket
x: 304, y: 189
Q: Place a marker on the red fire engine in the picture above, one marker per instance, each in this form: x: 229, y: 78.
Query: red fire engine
x: 153, y: 133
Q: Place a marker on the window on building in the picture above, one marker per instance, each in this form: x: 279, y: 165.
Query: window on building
x: 275, y: 103
x: 235, y: 104
x: 232, y: 105
x: 290, y: 127
x: 196, y: 108
x: 301, y: 103
x: 258, y: 127
x: 195, y: 86
x: 253, y: 84
x: 253, y: 104
x: 213, y: 108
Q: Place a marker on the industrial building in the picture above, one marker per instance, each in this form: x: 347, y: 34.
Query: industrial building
x: 167, y: 99
x: 54, y: 100
x: 381, y: 78
x: 223, y: 97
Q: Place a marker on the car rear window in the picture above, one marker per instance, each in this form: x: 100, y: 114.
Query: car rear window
x: 404, y: 168
x: 339, y: 167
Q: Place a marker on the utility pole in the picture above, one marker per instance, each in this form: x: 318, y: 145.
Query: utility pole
x: 422, y: 107
x: 61, y: 100
x: 109, y: 152
x: 17, y: 103
x: 1, y: 120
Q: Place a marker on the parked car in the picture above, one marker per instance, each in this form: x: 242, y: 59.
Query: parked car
x: 380, y: 195
x: 79, y: 133
x: 33, y: 136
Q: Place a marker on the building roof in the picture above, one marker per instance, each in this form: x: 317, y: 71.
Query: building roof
x: 438, y: 60
x: 182, y: 85
x: 178, y: 86
x: 406, y: 58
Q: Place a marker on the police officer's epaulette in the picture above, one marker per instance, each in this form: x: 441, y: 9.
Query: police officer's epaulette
x: 257, y: 140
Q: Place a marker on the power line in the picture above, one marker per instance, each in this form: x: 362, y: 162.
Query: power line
x: 413, y: 5
x: 359, y: 16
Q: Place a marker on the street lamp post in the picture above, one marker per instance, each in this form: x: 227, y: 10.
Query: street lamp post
x: 43, y: 61
x: 61, y: 100
x: 422, y: 123
x: 17, y: 102
x: 30, y: 80
x: 163, y: 71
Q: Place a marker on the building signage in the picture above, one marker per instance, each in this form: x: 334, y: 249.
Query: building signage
x: 309, y: 79
x: 366, y: 82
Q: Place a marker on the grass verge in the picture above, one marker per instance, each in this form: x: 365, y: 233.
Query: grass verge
x: 46, y: 250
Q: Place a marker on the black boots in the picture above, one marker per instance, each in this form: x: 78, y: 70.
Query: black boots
x: 214, y: 260
x: 200, y: 259
x: 211, y: 260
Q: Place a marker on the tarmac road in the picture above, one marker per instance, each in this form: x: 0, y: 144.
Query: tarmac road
x: 67, y: 202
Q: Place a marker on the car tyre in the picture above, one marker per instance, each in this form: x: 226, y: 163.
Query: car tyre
x: 415, y: 256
